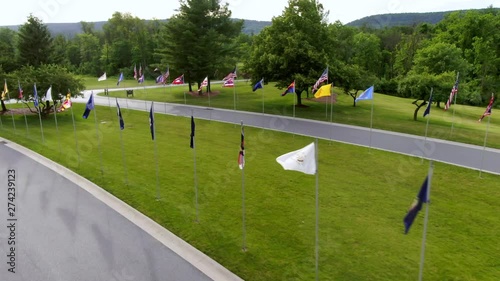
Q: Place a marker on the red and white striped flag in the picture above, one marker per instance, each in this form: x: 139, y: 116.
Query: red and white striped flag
x: 454, y: 91
x: 204, y: 83
x: 322, y: 78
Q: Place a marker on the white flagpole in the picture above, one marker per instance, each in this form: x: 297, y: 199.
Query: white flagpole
x: 316, y: 247
x: 326, y: 103
x: 262, y: 94
x: 98, y: 140
x: 484, y: 145
x: 57, y: 127
x: 294, y: 98
x: 243, y: 210
x: 427, y: 126
x: 156, y: 154
x: 426, y: 219
x: 74, y: 133
x: 195, y: 177
x: 234, y: 93
x: 454, y: 106
x: 26, y: 123
x: 11, y: 112
x: 124, y: 159
x: 371, y: 122
x: 40, y: 118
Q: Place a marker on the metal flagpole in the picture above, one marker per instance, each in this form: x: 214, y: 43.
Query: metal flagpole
x: 124, y: 159
x: 26, y: 123
x: 234, y: 93
x: 326, y: 103
x: 243, y: 210
x: 57, y: 127
x: 427, y: 125
x: 1, y: 124
x: 371, y: 124
x: 98, y: 140
x: 484, y: 145
x: 74, y: 132
x: 426, y: 219
x: 156, y: 153
x: 11, y: 112
x: 262, y: 94
x: 316, y: 247
x: 194, y: 169
x: 40, y: 118
x: 454, y: 103
x: 294, y: 98
x: 331, y: 115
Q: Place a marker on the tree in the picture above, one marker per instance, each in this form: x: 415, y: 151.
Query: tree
x: 200, y: 39
x: 439, y: 57
x: 294, y: 47
x: 353, y: 78
x: 35, y: 43
x: 8, y: 49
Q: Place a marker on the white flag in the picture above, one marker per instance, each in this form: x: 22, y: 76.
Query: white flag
x: 103, y: 77
x: 204, y: 83
x: 302, y: 160
x: 48, y: 96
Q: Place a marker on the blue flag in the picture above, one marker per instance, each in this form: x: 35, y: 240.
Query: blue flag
x: 366, y: 95
x: 120, y: 79
x: 152, y: 122
x: 428, y: 108
x: 119, y: 112
x: 89, y: 106
x: 35, y: 98
x: 417, y: 205
x: 258, y: 85
x: 290, y: 89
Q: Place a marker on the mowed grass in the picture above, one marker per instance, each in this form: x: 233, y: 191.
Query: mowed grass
x: 363, y: 197
x: 390, y: 113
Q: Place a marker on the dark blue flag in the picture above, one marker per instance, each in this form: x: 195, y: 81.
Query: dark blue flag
x: 89, y: 106
x: 152, y: 122
x: 258, y: 85
x: 417, y: 205
x: 428, y: 108
x: 120, y: 79
x: 119, y: 112
x: 192, y: 132
x: 35, y: 98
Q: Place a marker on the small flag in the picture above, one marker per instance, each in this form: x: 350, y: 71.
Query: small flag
x: 428, y: 108
x: 20, y: 90
x: 152, y: 122
x: 322, y: 78
x: 454, y: 91
x: 89, y: 106
x: 141, y: 79
x: 135, y: 72
x: 5, y: 90
x: 204, y: 83
x: 302, y: 160
x: 422, y: 197
x: 35, y: 97
x: 366, y: 95
x: 231, y: 75
x: 160, y: 79
x: 488, y: 108
x: 290, y: 89
x: 191, y: 144
x: 167, y: 73
x: 48, y: 96
x: 66, y: 103
x: 103, y: 77
x: 178, y: 80
x: 228, y: 83
x: 324, y: 91
x: 258, y: 85
x: 120, y: 79
x: 241, y: 155
x: 119, y: 113
x: 140, y: 70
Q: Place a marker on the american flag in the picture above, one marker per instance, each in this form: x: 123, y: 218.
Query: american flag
x: 20, y: 90
x: 204, y: 83
x: 454, y: 91
x: 135, y: 72
x: 229, y: 83
x: 231, y: 75
x: 178, y: 80
x: 488, y: 108
x: 322, y: 78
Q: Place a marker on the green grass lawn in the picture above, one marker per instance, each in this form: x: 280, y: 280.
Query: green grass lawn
x: 390, y: 113
x: 363, y: 197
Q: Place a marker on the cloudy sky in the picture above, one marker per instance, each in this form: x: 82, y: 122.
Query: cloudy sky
x: 99, y: 10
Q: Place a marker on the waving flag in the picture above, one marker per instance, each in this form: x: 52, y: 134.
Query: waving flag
x: 322, y: 78
x: 48, y: 96
x: 119, y: 113
x: 204, y: 83
x: 5, y: 90
x: 66, y: 103
x: 167, y: 74
x: 241, y: 155
x: 89, y: 106
x: 428, y: 108
x: 231, y: 75
x: 103, y: 77
x: 135, y: 72
x: 324, y: 91
x: 302, y: 160
x: 160, y: 79
x: 141, y: 79
x: 20, y: 90
x: 454, y: 91
x: 120, y: 79
x: 366, y: 95
x: 178, y: 80
x: 422, y: 197
x: 488, y: 108
x: 140, y: 70
x: 152, y: 122
x: 35, y: 96
x: 258, y: 85
x: 191, y: 143
x: 229, y: 83
x: 290, y: 89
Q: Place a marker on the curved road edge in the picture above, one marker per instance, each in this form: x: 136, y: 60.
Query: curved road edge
x: 202, y: 262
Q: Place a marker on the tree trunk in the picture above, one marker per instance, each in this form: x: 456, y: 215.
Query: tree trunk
x: 415, y: 114
x: 3, y: 106
x: 299, y: 99
x: 190, y: 87
x: 438, y: 104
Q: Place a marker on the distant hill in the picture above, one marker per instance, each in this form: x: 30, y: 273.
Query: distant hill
x: 71, y: 29
x: 403, y: 19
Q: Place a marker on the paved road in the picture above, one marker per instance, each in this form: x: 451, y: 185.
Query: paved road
x: 459, y: 154
x: 64, y: 232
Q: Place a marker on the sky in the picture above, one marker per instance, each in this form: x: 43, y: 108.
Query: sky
x: 58, y: 11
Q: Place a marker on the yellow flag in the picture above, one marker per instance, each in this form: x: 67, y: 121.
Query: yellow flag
x: 324, y: 91
x: 5, y: 90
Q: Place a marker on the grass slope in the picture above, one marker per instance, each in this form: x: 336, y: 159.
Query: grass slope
x: 363, y: 198
x: 390, y: 113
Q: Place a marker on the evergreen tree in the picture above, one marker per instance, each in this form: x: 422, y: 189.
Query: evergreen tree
x: 35, y: 43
